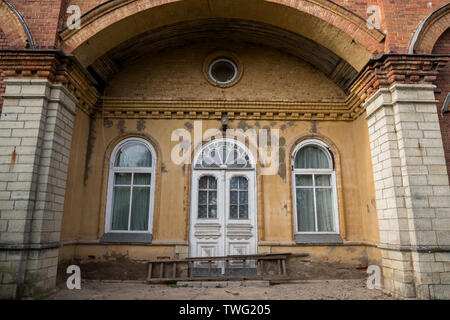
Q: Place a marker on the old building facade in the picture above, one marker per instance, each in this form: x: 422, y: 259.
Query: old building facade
x: 168, y: 128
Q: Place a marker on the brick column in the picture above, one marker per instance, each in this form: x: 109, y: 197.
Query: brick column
x: 412, y: 190
x: 36, y: 132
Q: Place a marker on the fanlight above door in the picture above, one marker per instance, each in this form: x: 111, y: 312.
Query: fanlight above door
x: 224, y: 154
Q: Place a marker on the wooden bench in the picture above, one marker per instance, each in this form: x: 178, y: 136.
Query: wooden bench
x: 169, y: 267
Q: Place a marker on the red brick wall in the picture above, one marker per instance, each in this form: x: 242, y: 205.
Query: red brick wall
x: 42, y: 18
x: 3, y: 40
x: 400, y: 18
x: 442, y: 46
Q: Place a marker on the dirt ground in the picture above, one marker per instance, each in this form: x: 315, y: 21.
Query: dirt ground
x: 348, y: 289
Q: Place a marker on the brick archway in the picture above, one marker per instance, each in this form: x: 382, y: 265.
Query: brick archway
x: 322, y: 21
x: 13, y: 31
x: 429, y: 31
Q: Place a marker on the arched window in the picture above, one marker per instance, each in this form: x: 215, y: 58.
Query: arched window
x: 131, y: 187
x: 314, y: 189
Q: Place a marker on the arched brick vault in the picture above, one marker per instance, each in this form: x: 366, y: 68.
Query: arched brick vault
x: 209, y: 30
x: 430, y: 30
x: 14, y: 33
x: 321, y: 21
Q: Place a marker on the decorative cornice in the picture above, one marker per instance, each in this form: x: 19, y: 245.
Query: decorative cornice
x: 123, y: 108
x: 393, y: 69
x: 55, y: 67
x: 383, y: 72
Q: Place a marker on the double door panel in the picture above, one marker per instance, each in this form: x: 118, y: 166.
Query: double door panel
x: 223, y: 213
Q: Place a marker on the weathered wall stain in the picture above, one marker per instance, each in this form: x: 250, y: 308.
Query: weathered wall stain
x: 89, y: 149
x: 282, y: 165
x: 121, y: 126
x: 313, y: 127
x: 107, y: 123
x: 188, y: 125
x: 140, y: 125
x: 13, y: 160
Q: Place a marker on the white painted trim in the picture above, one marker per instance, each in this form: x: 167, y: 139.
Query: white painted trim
x: 215, y: 61
x: 333, y: 182
x: 226, y: 140
x: 113, y: 170
x: 223, y: 176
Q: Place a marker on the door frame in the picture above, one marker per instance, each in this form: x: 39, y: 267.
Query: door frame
x: 196, y: 174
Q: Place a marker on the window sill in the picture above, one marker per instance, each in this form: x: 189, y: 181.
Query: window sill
x: 318, y: 239
x: 126, y: 237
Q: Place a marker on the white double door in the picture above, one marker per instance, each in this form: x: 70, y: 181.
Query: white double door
x: 223, y: 213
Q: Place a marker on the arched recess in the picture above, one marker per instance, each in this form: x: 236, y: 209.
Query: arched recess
x: 429, y: 31
x: 323, y: 22
x: 14, y: 28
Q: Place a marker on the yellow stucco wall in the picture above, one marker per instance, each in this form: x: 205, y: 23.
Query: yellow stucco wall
x: 269, y: 75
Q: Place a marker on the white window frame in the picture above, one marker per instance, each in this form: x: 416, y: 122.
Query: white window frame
x: 113, y: 169
x: 231, y: 62
x: 331, y: 171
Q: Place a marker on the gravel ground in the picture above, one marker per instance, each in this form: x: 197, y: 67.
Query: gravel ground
x: 350, y: 289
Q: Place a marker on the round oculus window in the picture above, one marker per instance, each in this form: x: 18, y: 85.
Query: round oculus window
x: 223, y: 71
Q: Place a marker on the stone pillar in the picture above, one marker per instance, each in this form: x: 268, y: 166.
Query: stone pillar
x: 35, y: 136
x: 412, y: 191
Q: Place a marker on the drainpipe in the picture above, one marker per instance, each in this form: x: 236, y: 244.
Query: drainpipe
x: 30, y: 40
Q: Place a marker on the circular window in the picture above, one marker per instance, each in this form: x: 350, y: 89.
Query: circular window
x: 223, y: 71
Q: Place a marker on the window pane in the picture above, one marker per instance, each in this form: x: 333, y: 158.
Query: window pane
x: 212, y: 197
x: 323, y: 180
x: 202, y: 211
x: 233, y: 212
x: 207, y: 197
x: 243, y: 197
x: 212, y: 211
x: 134, y: 155
x: 243, y: 211
x: 243, y: 183
x: 305, y: 210
x: 234, y: 183
x: 239, y: 198
x: 203, y: 183
x: 122, y: 178
x: 234, y: 197
x: 203, y: 197
x: 142, y: 178
x: 311, y: 157
x: 212, y: 183
x: 324, y: 209
x: 303, y: 180
x: 120, y: 209
x: 140, y: 208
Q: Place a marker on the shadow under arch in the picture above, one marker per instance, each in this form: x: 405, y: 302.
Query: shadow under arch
x: 322, y: 21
